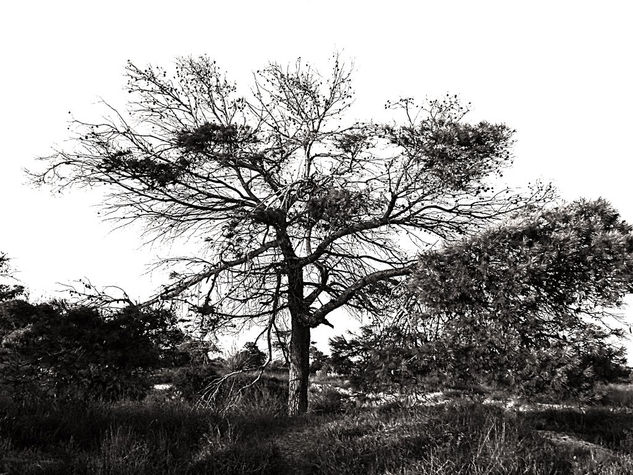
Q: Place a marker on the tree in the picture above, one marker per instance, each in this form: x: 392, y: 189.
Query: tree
x: 318, y: 359
x: 252, y: 356
x: 78, y: 352
x: 8, y: 291
x: 297, y: 212
x: 532, y: 299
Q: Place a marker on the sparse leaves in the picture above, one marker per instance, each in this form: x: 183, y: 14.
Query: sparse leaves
x: 300, y: 212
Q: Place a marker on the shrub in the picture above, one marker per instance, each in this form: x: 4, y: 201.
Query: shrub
x: 50, y: 350
x: 191, y: 381
x: 380, y: 359
x: 318, y: 360
x: 327, y: 400
x: 248, y: 358
x: 389, y: 358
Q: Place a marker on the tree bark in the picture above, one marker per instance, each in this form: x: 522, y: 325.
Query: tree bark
x: 299, y: 371
x: 299, y: 367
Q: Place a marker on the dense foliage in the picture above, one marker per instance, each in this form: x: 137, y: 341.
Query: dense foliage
x: 390, y: 359
x: 379, y: 358
x: 51, y: 350
x: 532, y: 301
x: 522, y: 306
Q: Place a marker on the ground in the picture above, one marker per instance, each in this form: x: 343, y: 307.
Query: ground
x: 455, y: 433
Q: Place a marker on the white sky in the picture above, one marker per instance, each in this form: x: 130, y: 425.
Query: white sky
x: 558, y: 72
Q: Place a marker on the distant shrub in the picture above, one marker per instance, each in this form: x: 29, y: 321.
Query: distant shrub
x: 248, y: 358
x: 327, y: 400
x: 318, y: 360
x: 191, y: 381
x: 195, y: 352
x: 617, y: 395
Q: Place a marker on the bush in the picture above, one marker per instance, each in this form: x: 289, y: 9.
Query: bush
x: 380, y: 359
x: 191, y: 381
x: 248, y: 358
x: 575, y: 370
x: 388, y: 358
x: 195, y: 352
x: 52, y: 351
x: 318, y: 360
x: 326, y: 400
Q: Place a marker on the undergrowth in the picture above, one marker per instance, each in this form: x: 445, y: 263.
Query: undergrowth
x: 254, y: 436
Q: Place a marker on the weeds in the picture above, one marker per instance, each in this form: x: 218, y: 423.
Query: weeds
x: 253, y: 436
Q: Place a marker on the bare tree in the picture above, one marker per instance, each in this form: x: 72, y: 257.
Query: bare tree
x: 297, y: 212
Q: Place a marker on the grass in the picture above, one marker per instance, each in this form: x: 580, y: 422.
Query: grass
x: 253, y: 436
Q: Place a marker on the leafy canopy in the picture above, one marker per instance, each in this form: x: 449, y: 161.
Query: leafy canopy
x: 533, y: 300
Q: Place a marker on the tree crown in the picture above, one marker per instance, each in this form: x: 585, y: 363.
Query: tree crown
x: 294, y: 207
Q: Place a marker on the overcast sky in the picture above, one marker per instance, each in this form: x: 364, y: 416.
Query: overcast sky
x: 559, y: 72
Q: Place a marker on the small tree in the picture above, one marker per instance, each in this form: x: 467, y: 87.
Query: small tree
x: 318, y: 360
x: 524, y: 298
x: 8, y: 288
x: 297, y: 211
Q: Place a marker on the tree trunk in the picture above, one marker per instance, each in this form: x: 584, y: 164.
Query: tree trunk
x: 299, y: 368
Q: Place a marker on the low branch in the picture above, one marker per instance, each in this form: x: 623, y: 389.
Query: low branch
x: 318, y: 316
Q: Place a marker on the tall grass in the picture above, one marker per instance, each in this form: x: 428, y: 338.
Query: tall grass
x: 254, y: 436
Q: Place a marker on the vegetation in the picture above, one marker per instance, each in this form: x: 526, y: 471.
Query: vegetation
x: 298, y: 210
x: 486, y: 302
x: 195, y: 426
x: 518, y: 307
x: 61, y: 352
x: 461, y: 437
x: 529, y: 302
x: 10, y: 290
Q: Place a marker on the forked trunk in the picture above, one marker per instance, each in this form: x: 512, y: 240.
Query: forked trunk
x: 299, y: 368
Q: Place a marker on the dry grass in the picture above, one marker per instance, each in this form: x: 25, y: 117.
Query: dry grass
x: 253, y: 436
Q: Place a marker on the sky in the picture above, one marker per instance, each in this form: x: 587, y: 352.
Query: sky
x: 560, y: 73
